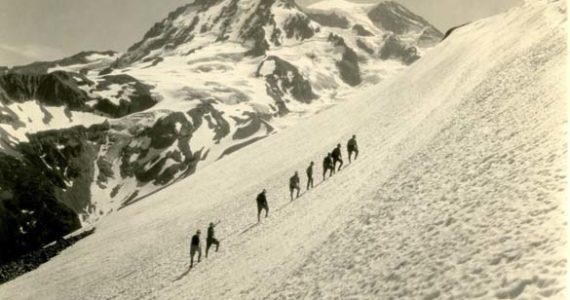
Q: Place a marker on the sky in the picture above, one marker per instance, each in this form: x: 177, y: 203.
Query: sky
x: 32, y: 30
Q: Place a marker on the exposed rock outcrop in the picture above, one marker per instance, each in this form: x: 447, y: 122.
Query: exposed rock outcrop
x: 348, y: 65
x: 394, y: 48
x: 77, y: 92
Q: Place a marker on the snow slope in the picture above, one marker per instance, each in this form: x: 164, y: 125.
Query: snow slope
x: 202, y: 62
x: 230, y: 72
x: 458, y: 192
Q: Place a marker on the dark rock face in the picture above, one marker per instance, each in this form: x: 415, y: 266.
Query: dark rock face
x: 394, y: 49
x: 286, y: 79
x: 171, y: 132
x: 30, y: 213
x: 69, y: 90
x: 34, y: 259
x: 67, y: 157
x: 452, y: 29
x: 348, y: 66
x: 215, y: 119
x: 240, y: 146
x: 361, y: 31
x: 330, y: 20
x: 54, y: 89
x: 392, y: 16
x: 362, y: 45
x: 250, y: 124
x: 139, y: 100
x: 260, y: 44
x: 297, y: 26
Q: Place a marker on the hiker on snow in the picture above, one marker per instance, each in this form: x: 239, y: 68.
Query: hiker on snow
x: 352, y: 147
x: 294, y: 183
x: 337, y: 158
x: 310, y: 176
x: 327, y: 166
x: 262, y: 205
x: 210, y: 239
x: 195, y: 247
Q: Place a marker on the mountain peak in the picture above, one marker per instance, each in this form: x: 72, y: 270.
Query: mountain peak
x: 255, y: 23
x: 383, y: 17
x: 394, y: 17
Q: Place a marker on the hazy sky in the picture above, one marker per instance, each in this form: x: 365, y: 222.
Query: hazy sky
x: 32, y: 30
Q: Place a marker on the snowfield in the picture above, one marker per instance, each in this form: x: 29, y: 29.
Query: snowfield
x: 458, y: 192
x: 211, y: 78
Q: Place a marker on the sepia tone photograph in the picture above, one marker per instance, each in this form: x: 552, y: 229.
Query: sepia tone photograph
x: 283, y: 149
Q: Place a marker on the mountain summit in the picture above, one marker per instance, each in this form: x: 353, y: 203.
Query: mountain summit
x: 258, y: 24
x: 369, y: 19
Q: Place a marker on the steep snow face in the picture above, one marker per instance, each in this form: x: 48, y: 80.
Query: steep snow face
x: 457, y: 193
x: 478, y: 212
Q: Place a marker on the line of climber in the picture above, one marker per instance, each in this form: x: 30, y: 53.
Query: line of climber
x: 329, y: 165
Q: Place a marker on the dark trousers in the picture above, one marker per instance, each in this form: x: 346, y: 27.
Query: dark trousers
x: 335, y: 161
x: 350, y: 151
x: 310, y: 183
x: 292, y: 189
x: 325, y: 169
x: 261, y: 207
x: 210, y: 242
x: 193, y: 250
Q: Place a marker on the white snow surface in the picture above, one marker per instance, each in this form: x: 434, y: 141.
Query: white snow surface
x: 457, y: 193
x: 357, y: 13
x: 36, y: 117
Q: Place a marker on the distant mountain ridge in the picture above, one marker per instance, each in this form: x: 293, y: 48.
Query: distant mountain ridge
x: 80, y: 62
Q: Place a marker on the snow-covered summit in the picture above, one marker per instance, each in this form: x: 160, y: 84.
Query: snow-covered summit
x: 254, y: 23
x: 380, y: 18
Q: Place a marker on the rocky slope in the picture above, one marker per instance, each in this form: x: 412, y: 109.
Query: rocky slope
x: 103, y: 130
